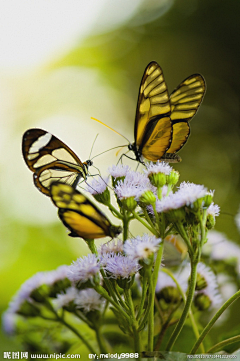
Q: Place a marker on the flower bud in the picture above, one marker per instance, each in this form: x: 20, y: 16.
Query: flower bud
x: 202, y: 302
x: 157, y: 179
x: 129, y: 203
x: 169, y: 294
x: 104, y: 197
x: 173, y: 177
x: 201, y: 282
x: 148, y: 197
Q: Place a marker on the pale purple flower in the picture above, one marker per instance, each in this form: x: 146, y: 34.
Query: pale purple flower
x: 134, y: 184
x: 187, y: 194
x: 64, y: 299
x: 9, y: 322
x: 119, y: 170
x: 56, y: 275
x: 213, y: 210
x: 190, y: 192
x: 137, y: 178
x: 24, y: 294
x: 141, y: 247
x: 89, y: 300
x: 97, y: 185
x: 84, y: 269
x: 158, y: 167
x: 115, y: 246
x: 119, y: 266
x: 173, y: 201
x: 125, y: 190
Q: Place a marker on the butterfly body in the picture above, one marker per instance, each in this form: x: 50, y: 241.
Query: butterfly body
x: 79, y: 214
x: 50, y: 159
x: 162, y: 121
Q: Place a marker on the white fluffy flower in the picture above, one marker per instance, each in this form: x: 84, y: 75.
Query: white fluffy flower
x: 63, y: 299
x: 141, y: 247
x: 89, y: 300
x: 97, y: 185
x: 158, y: 167
x: 84, y: 269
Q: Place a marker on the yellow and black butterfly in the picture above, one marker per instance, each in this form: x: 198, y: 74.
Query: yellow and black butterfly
x: 79, y: 215
x: 51, y: 160
x: 161, y: 122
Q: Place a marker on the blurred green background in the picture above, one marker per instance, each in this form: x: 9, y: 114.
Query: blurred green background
x: 63, y: 62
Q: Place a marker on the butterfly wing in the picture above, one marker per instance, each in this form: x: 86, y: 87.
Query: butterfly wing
x: 185, y: 101
x: 80, y: 215
x: 51, y: 160
x: 153, y: 129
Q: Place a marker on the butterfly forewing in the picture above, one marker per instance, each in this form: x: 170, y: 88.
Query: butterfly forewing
x: 79, y: 214
x: 153, y: 107
x: 187, y: 97
x: 51, y: 160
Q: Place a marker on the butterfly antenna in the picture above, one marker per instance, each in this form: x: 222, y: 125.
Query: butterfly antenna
x: 119, y: 151
x: 120, y: 146
x: 99, y: 121
x: 93, y: 145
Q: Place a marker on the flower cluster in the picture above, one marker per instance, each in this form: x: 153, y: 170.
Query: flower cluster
x: 125, y: 278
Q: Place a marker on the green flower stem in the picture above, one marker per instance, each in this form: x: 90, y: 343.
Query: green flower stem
x: 122, y: 303
x: 82, y: 318
x: 105, y: 295
x: 144, y: 223
x: 100, y: 340
x: 203, y: 232
x: 213, y: 320
x: 109, y: 285
x: 192, y: 319
x: 128, y: 298
x: 152, y: 286
x: 169, y: 231
x: 114, y: 211
x: 186, y: 309
x: 146, y: 215
x: 158, y: 308
x: 145, y: 318
x: 136, y: 337
x: 151, y: 315
x: 91, y: 245
x: 81, y: 337
x: 219, y: 346
x: 183, y: 234
x: 144, y: 293
x: 125, y: 221
x: 169, y: 189
x: 155, y: 214
x: 164, y: 327
x: 60, y: 319
x: 159, y: 193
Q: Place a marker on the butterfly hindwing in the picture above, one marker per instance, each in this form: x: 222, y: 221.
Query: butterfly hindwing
x: 79, y: 214
x: 51, y: 160
x: 153, y: 129
x: 185, y: 101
